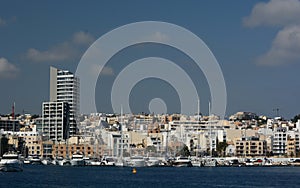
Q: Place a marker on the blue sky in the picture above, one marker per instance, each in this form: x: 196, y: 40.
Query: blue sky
x: 257, y: 44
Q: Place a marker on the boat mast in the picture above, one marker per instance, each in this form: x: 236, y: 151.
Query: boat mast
x: 167, y: 138
x: 85, y: 145
x: 14, y: 125
x: 121, y: 126
x: 198, y: 120
x: 210, y: 133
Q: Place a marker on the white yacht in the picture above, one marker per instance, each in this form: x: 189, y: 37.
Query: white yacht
x: 153, y: 161
x: 77, y: 159
x: 35, y: 160
x: 182, y: 162
x: 196, y: 162
x: 63, y: 162
x: 135, y: 161
x: 108, y: 161
x: 47, y: 161
x: 10, y: 162
x: 95, y: 162
x: 209, y: 162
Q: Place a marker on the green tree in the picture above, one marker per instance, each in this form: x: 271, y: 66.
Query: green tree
x: 221, y: 147
x: 184, y: 152
x: 150, y: 149
x: 295, y: 119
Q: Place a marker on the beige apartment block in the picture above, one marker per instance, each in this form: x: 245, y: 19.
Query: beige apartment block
x: 250, y: 146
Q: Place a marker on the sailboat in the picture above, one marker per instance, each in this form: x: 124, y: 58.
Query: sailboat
x: 209, y: 161
x: 120, y: 162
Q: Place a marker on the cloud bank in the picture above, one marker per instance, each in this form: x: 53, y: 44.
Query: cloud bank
x: 7, y: 69
x: 285, y: 48
x: 64, y: 51
x: 2, y: 21
x: 274, y: 13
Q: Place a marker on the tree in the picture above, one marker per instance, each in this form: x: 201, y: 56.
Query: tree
x: 221, y: 147
x: 150, y: 149
x: 192, y: 144
x: 184, y: 152
x: 295, y: 119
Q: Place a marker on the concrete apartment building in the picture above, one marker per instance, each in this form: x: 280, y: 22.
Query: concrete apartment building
x: 250, y: 146
x: 63, y: 150
x: 64, y: 87
x: 285, y: 142
x: 7, y: 124
x: 55, y: 124
x: 33, y: 142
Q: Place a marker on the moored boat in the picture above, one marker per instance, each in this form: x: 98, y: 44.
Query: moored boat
x: 10, y: 162
x: 77, y: 159
x: 209, y: 162
x: 182, y: 162
x: 108, y: 161
x: 47, y: 161
x: 35, y: 160
x: 153, y: 161
x: 135, y: 161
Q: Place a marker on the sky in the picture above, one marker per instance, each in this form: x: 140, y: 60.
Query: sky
x: 256, y: 43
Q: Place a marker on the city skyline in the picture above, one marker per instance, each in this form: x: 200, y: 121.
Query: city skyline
x: 256, y: 44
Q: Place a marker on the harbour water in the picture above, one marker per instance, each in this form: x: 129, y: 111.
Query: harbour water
x: 57, y: 176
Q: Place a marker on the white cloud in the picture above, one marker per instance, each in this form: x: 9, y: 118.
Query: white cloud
x: 62, y: 52
x: 274, y: 13
x: 285, y: 48
x: 83, y: 38
x: 105, y: 71
x: 7, y: 69
x: 2, y: 21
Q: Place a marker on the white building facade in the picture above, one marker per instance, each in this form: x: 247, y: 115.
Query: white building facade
x: 55, y: 120
x: 64, y: 87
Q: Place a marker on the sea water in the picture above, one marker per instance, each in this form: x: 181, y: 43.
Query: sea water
x: 67, y: 176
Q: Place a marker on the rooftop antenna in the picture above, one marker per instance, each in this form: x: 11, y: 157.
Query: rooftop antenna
x: 277, y: 111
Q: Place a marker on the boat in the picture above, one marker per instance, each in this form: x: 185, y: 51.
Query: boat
x: 47, y: 161
x: 55, y: 160
x: 182, y: 162
x: 77, y: 159
x: 10, y: 162
x: 119, y: 163
x: 153, y: 161
x: 209, y: 162
x: 135, y: 161
x: 295, y: 162
x: 95, y: 162
x: 35, y: 160
x: 108, y: 161
x: 26, y: 161
x: 62, y: 161
x: 196, y: 162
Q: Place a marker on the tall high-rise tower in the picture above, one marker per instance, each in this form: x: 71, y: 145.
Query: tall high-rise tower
x: 64, y: 87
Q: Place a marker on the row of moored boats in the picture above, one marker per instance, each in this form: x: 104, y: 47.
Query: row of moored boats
x: 11, y: 161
